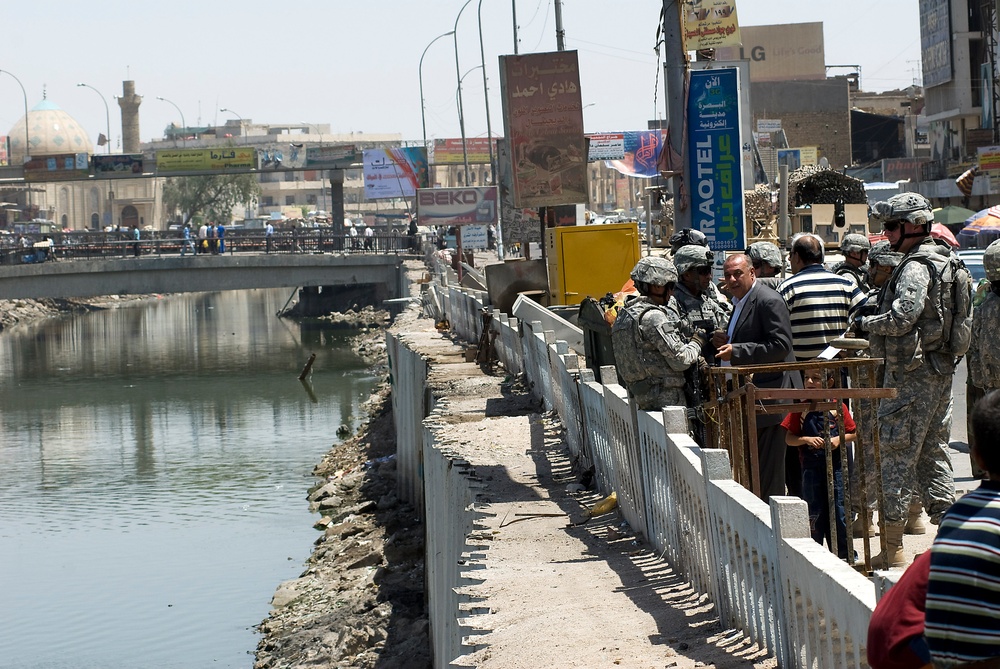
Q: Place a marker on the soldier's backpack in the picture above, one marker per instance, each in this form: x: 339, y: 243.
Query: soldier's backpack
x: 625, y: 342
x: 954, y: 300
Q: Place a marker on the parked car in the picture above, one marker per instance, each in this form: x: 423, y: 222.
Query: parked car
x: 973, y: 259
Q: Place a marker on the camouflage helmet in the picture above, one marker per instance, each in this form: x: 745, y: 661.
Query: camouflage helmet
x: 654, y: 271
x: 912, y: 207
x: 766, y: 253
x: 991, y: 261
x: 691, y: 256
x: 855, y: 243
x: 687, y: 236
x: 883, y: 255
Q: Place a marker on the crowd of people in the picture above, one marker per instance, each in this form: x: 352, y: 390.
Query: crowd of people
x: 911, y: 298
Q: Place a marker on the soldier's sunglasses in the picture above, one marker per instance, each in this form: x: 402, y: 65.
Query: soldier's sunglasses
x: 704, y: 270
x: 892, y: 226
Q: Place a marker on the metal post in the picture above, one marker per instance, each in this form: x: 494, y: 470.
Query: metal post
x: 783, y: 232
x: 420, y: 75
x: 461, y: 115
x: 243, y: 127
x: 513, y: 16
x: 560, y: 33
x: 489, y: 132
x: 27, y: 136
x: 674, y: 79
x: 107, y: 114
x: 183, y: 122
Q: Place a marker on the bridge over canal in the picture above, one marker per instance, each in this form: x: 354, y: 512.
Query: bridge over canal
x: 380, y: 273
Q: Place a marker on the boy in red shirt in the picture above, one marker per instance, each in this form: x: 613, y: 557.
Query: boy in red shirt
x: 805, y: 430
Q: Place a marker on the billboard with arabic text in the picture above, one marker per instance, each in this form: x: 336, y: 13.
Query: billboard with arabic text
x: 395, y: 172
x: 709, y: 24
x: 714, y: 162
x: 543, y: 121
x: 198, y: 160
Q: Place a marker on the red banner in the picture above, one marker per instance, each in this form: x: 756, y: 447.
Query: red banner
x: 449, y: 151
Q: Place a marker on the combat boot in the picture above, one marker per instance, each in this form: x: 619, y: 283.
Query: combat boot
x: 914, y: 523
x: 858, y: 527
x: 892, y: 556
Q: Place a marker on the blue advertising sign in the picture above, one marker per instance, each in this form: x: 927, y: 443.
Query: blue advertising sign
x: 714, y: 158
x: 935, y: 41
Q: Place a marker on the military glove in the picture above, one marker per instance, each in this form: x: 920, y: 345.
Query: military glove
x: 856, y: 323
x: 699, y: 338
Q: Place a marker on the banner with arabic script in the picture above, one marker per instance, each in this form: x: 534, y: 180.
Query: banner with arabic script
x: 708, y: 24
x: 199, y: 160
x: 395, y: 172
x: 543, y: 122
x: 642, y: 153
x: 714, y: 158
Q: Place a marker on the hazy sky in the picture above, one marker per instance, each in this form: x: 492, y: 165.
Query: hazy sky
x: 354, y: 64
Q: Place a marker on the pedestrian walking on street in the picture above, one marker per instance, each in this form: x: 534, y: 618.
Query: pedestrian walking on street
x: 187, y: 243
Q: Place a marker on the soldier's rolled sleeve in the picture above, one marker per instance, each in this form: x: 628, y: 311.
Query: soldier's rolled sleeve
x: 911, y: 293
x: 678, y: 354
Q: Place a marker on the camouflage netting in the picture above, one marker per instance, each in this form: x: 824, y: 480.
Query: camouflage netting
x: 757, y: 204
x: 810, y: 185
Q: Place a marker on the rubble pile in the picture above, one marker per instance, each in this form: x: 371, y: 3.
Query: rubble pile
x: 360, y: 600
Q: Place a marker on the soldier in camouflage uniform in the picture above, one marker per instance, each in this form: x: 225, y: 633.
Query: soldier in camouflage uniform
x: 882, y: 260
x: 697, y: 308
x: 694, y: 301
x: 984, y: 355
x: 855, y: 248
x: 767, y: 263
x: 650, y: 354
x: 915, y: 426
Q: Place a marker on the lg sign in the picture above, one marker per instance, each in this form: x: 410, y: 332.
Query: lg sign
x: 446, y: 197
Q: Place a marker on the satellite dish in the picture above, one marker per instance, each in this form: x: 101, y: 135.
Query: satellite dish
x: 824, y: 163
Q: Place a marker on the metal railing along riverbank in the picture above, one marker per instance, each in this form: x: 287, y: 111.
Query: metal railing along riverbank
x: 755, y: 561
x: 94, y: 245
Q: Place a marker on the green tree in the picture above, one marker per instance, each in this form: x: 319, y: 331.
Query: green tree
x: 213, y: 196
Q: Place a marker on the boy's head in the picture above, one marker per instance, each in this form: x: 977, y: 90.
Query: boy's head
x: 985, y: 427
x: 817, y: 377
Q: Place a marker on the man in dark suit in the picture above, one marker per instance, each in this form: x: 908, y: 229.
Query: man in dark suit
x: 759, y: 333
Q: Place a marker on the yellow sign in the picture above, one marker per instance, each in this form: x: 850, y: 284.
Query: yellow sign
x: 709, y: 24
x: 809, y: 155
x: 198, y: 160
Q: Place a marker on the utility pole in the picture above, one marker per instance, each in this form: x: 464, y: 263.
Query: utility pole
x: 560, y: 33
x: 674, y: 81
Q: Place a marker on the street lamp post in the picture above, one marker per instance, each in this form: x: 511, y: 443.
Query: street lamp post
x: 243, y: 126
x: 420, y: 75
x: 27, y: 136
x: 107, y: 114
x: 486, y: 94
x: 457, y: 93
x: 27, y: 140
x: 183, y: 122
x: 458, y: 73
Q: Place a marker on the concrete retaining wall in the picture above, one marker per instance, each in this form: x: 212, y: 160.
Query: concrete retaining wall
x: 756, y: 562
